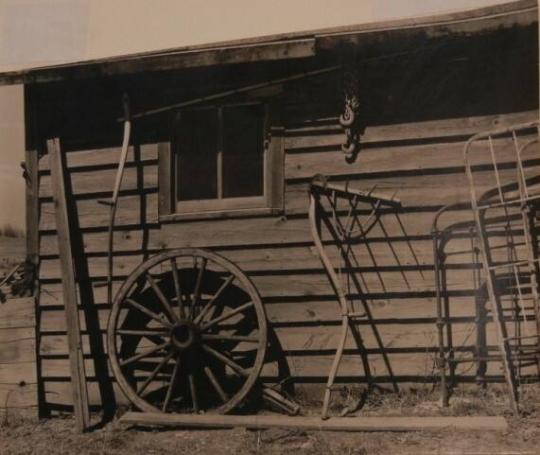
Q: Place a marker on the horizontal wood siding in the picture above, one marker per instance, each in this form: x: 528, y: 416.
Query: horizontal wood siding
x: 18, y: 379
x: 421, y: 163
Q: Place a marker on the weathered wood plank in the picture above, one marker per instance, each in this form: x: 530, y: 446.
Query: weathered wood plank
x: 100, y: 181
x: 19, y: 312
x: 244, y: 232
x: 314, y: 367
x: 18, y: 369
x: 421, y: 159
x: 396, y: 337
x: 258, y: 422
x: 301, y: 258
x: 32, y: 207
x: 331, y: 133
x: 295, y: 313
x: 165, y: 200
x: 17, y: 345
x: 18, y: 397
x: 102, y: 157
x: 132, y: 210
x: 397, y: 282
x: 416, y: 192
x: 18, y: 372
x: 77, y: 370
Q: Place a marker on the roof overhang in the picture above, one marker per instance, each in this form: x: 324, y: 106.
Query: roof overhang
x: 292, y: 45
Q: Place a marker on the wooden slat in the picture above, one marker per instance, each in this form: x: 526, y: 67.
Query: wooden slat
x: 241, y: 232
x: 307, y: 367
x: 420, y: 192
x: 165, y: 201
x: 17, y: 313
x: 101, y: 157
x: 277, y: 258
x: 102, y: 181
x: 314, y: 284
x: 295, y: 313
x: 17, y: 345
x: 305, y: 341
x: 422, y: 159
x: 77, y: 370
x: 132, y: 210
x: 18, y: 397
x: 332, y: 135
x: 57, y: 394
x: 32, y: 207
x: 18, y: 372
x: 259, y: 422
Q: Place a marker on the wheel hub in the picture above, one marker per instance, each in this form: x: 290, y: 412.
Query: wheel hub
x: 184, y: 335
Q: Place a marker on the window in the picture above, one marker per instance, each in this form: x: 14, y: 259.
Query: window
x: 222, y: 160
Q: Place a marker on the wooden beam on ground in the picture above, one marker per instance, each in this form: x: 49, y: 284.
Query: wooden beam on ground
x: 259, y: 422
x: 76, y: 360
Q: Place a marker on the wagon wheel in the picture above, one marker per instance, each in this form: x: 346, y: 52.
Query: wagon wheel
x: 187, y: 333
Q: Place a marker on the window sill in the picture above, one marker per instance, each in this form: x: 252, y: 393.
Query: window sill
x: 222, y: 214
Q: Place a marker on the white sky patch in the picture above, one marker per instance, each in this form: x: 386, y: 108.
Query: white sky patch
x: 36, y: 32
x: 44, y: 32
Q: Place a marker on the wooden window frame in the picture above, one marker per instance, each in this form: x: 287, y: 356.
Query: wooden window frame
x: 270, y: 203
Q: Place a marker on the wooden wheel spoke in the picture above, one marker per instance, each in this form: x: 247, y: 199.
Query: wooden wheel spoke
x: 154, y: 373
x: 149, y: 313
x: 162, y: 298
x: 177, y: 288
x: 193, y: 391
x: 141, y: 333
x: 217, y: 386
x: 174, y: 378
x: 143, y: 354
x: 187, y: 333
x: 226, y: 316
x: 226, y: 360
x: 214, y: 298
x: 239, y: 338
x: 197, y: 290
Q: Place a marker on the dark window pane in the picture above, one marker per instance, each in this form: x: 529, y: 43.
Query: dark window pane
x: 242, y: 151
x: 197, y: 155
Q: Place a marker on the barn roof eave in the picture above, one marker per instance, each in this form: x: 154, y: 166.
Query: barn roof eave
x: 290, y: 45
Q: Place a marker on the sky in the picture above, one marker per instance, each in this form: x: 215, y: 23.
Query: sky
x: 43, y: 32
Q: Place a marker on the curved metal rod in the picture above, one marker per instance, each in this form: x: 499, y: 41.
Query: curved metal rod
x: 113, y: 203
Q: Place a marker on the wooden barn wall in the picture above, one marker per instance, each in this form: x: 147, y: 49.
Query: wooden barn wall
x: 396, y: 263
x: 18, y: 375
x: 417, y: 157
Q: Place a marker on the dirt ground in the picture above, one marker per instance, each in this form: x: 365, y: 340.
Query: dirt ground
x: 57, y: 435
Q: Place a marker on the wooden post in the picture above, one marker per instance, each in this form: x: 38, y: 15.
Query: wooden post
x: 76, y: 360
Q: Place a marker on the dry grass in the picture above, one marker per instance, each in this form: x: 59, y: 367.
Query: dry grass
x: 19, y: 436
x: 7, y: 230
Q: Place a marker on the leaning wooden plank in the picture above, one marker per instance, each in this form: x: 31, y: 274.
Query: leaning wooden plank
x: 316, y: 423
x: 78, y: 377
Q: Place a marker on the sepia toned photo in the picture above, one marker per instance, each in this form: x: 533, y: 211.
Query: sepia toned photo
x: 253, y: 227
